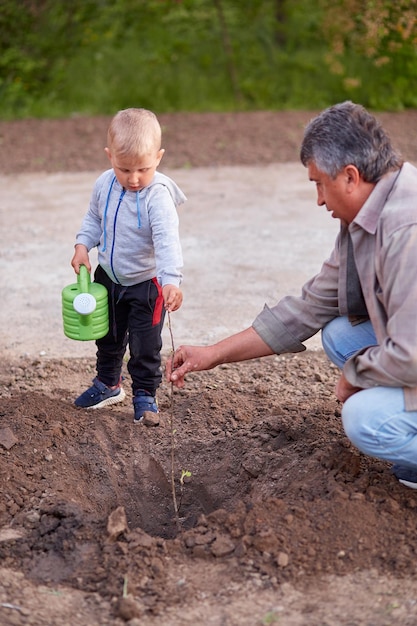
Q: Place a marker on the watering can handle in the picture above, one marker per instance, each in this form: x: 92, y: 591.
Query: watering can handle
x: 84, y: 279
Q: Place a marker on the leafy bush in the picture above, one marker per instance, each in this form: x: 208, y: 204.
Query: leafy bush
x: 97, y: 56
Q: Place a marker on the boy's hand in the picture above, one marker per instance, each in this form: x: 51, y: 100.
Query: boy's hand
x: 172, y: 297
x: 80, y: 258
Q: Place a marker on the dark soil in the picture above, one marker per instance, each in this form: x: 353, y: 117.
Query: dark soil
x: 281, y: 519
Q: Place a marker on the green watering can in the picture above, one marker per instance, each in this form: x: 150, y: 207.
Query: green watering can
x: 85, y: 310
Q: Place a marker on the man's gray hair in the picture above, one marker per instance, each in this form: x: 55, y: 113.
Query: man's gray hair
x: 347, y: 134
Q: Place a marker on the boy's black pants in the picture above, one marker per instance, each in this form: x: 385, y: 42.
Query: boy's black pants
x: 136, y: 317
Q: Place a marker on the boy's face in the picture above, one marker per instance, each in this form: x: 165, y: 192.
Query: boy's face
x: 134, y: 174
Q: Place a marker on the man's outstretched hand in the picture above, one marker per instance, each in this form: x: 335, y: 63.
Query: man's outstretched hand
x: 188, y: 359
x: 239, y: 347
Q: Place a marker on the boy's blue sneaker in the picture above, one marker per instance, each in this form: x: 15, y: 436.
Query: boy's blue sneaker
x: 142, y: 402
x: 99, y: 395
x: 405, y: 475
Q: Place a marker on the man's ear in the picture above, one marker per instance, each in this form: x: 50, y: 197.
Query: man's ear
x: 352, y: 176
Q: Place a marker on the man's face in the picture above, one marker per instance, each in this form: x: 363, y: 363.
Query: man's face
x: 335, y: 193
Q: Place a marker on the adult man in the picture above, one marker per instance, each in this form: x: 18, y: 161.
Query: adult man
x: 364, y: 299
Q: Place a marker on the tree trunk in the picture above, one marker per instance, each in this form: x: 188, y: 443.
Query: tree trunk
x: 281, y: 22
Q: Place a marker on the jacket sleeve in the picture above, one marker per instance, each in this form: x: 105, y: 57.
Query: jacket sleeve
x: 91, y: 227
x: 164, y: 223
x: 294, y: 319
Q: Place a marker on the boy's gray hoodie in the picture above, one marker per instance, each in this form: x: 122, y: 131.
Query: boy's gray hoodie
x: 136, y: 232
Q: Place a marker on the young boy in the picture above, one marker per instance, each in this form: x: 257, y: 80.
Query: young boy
x: 133, y: 221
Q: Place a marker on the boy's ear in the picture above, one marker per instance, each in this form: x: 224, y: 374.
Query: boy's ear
x: 107, y: 151
x: 160, y: 154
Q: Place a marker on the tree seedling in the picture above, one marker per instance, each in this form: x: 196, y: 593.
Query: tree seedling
x: 184, y: 473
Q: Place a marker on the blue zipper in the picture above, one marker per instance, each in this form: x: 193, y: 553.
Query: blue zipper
x: 114, y: 233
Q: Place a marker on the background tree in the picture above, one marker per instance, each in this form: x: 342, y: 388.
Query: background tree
x: 96, y: 56
x: 36, y: 38
x: 373, y: 47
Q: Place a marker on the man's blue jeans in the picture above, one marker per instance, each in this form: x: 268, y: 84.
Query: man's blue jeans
x: 375, y: 419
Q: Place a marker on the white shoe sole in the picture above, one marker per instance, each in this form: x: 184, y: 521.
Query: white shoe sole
x: 109, y: 401
x: 407, y: 483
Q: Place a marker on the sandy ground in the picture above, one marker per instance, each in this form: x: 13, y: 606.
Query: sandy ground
x: 250, y: 235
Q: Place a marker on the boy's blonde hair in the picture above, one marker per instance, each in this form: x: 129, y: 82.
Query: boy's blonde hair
x: 134, y: 132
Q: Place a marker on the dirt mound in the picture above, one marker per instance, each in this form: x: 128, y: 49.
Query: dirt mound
x: 276, y: 492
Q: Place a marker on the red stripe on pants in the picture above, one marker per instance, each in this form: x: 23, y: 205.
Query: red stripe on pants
x: 159, y: 304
